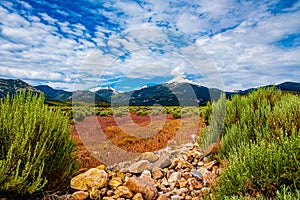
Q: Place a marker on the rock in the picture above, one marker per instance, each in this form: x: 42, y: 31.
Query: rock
x: 138, y: 196
x: 174, y: 163
x: 174, y: 177
x: 148, y: 178
x: 110, y: 192
x: 164, y: 197
x: 200, y: 164
x: 95, y: 193
x: 103, y: 191
x: 115, y: 182
x: 150, y: 156
x: 182, y: 183
x: 157, y: 173
x: 163, y: 161
x: 194, y: 184
x: 146, y: 173
x: 209, y: 165
x: 205, y: 160
x: 80, y: 195
x: 139, y: 166
x: 101, y: 167
x: 186, y: 175
x: 123, y: 191
x: 108, y: 198
x: 196, y: 174
x: 176, y: 197
x: 139, y: 185
x: 93, y: 178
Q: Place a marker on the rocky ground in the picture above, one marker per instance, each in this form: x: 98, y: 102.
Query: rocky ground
x: 183, y: 173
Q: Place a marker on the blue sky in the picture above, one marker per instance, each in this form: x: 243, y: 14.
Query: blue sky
x: 125, y: 44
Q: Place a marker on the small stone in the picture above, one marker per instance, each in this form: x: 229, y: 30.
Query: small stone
x: 176, y: 197
x: 139, y: 167
x: 80, y: 195
x: 164, y: 197
x: 205, y: 160
x: 206, y: 183
x: 140, y: 185
x: 121, y: 175
x: 138, y: 196
x: 157, y: 173
x: 182, y: 183
x: 103, y: 191
x: 110, y: 192
x: 163, y: 161
x: 194, y: 184
x: 93, y: 178
x: 188, y: 197
x: 186, y: 175
x: 205, y: 190
x: 108, y: 198
x: 196, y: 174
x: 179, y: 165
x: 148, y: 178
x: 101, y: 167
x: 146, y: 173
x: 209, y: 165
x: 150, y: 156
x: 174, y: 163
x: 95, y: 193
x: 200, y: 164
x: 174, y: 177
x: 123, y: 191
x: 115, y: 182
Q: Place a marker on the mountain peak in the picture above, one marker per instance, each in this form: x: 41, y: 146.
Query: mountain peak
x: 181, y: 79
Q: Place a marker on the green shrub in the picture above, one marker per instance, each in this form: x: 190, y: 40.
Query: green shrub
x: 261, y: 115
x: 262, y: 168
x: 210, y: 135
x: 36, y: 149
x: 177, y: 114
x: 260, y: 139
x: 205, y: 112
x: 142, y: 112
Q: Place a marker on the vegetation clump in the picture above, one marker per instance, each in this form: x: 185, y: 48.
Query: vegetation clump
x: 260, y: 139
x: 36, y: 151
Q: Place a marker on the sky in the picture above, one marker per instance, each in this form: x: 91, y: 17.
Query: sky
x: 125, y: 44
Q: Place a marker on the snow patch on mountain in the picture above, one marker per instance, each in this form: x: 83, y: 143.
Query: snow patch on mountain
x: 181, y: 80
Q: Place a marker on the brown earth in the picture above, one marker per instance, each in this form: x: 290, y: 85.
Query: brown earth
x: 115, y: 139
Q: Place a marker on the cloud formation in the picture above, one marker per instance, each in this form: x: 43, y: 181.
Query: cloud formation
x: 75, y: 45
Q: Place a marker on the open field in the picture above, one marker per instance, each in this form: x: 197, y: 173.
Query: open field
x: 113, y: 139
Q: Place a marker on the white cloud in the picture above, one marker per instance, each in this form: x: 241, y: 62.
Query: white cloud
x: 239, y: 37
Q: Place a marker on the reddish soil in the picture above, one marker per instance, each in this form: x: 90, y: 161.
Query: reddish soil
x: 131, y: 134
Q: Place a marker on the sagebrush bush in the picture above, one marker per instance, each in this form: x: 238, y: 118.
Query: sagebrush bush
x: 260, y: 139
x: 262, y: 168
x: 36, y: 149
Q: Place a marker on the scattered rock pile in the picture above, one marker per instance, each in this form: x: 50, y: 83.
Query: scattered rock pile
x: 179, y: 174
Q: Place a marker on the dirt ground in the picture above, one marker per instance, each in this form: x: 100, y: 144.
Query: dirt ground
x: 109, y: 140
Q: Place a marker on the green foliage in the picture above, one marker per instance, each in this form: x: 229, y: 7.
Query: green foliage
x: 263, y: 168
x: 210, y: 135
x: 205, y: 112
x: 142, y: 112
x: 261, y: 115
x: 36, y: 148
x: 260, y: 139
x: 177, y: 114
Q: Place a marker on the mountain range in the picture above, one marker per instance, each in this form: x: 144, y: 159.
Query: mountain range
x: 178, y: 91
